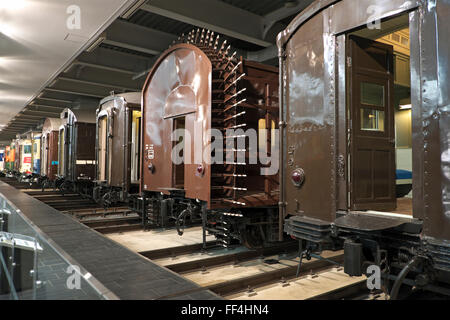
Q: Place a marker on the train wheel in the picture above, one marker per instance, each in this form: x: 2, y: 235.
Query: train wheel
x: 252, y: 237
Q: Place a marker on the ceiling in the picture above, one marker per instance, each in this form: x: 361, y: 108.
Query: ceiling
x: 45, y: 67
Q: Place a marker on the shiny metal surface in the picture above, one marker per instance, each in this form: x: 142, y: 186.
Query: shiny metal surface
x: 202, y: 88
x: 118, y: 109
x: 310, y: 121
x: 178, y: 85
x: 49, y: 147
x: 79, y: 143
x: 313, y: 97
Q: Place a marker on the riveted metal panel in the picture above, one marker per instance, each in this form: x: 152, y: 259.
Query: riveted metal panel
x: 434, y: 57
x: 118, y: 110
x: 310, y: 121
x: 179, y: 85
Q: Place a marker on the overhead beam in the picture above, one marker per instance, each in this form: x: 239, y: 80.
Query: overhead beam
x: 40, y: 113
x: 41, y: 110
x: 23, y: 121
x: 214, y: 15
x: 100, y: 66
x: 112, y: 60
x: 20, y: 127
x: 53, y: 99
x: 285, y: 12
x: 74, y: 93
x: 46, y: 106
x: 264, y: 54
x: 138, y: 38
x: 95, y: 83
x: 29, y: 116
x: 130, y: 47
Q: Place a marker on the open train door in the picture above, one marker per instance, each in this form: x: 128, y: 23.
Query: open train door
x: 372, y: 137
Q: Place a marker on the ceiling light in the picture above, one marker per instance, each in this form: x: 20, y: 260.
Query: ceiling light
x: 133, y: 9
x: 96, y: 43
x: 12, y: 4
x: 5, y: 29
x: 405, y: 107
x: 290, y: 4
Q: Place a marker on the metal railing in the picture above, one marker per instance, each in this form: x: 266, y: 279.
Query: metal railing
x: 32, y: 266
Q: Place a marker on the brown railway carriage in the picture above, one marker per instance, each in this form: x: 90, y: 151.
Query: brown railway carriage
x: 76, y: 150
x: 198, y: 87
x: 118, y: 147
x: 350, y: 70
x: 17, y: 154
x: 49, y: 148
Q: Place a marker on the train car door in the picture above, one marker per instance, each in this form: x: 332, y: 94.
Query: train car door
x: 179, y: 123
x: 61, y: 152
x: 372, y: 137
x: 102, y: 141
x: 135, y: 145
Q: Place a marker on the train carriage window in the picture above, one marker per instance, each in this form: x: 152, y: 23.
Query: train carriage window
x: 272, y: 134
x: 372, y: 120
x: 262, y: 134
x: 44, y: 155
x: 61, y: 152
x: 178, y: 169
x: 372, y: 94
x: 135, y: 146
x: 102, y: 141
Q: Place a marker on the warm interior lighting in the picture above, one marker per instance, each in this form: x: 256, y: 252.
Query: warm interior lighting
x: 405, y: 107
x: 12, y: 4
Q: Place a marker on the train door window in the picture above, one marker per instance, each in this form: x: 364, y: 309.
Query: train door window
x: 178, y: 169
x: 262, y: 134
x: 61, y: 152
x: 266, y: 134
x: 135, y: 146
x: 44, y: 151
x: 380, y: 113
x: 102, y: 141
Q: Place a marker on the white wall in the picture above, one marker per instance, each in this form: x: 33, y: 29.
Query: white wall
x: 404, y: 159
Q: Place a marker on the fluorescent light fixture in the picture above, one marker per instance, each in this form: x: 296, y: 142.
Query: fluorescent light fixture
x: 133, y: 9
x: 405, y: 107
x: 290, y: 4
x: 96, y: 43
x: 12, y: 4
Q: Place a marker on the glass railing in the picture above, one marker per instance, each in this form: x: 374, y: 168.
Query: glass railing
x: 32, y: 266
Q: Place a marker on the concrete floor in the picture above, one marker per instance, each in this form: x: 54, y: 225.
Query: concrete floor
x: 158, y: 239
x: 225, y: 273
x: 301, y: 289
x: 213, y: 252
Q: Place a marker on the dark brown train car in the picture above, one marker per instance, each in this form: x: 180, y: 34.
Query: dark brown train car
x: 49, y: 148
x: 17, y: 154
x: 198, y: 87
x: 348, y: 75
x: 76, y: 150
x: 118, y: 147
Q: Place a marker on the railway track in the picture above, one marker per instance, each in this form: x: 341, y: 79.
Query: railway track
x: 241, y: 273
x: 19, y: 185
x: 237, y: 273
x: 86, y: 210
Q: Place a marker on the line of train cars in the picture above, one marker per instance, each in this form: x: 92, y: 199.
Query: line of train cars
x: 333, y: 102
x: 22, y: 157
